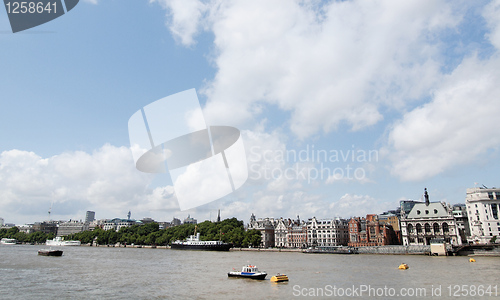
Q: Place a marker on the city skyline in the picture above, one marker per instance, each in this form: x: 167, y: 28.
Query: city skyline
x: 345, y: 108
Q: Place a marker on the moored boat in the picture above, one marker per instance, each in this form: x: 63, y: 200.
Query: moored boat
x: 248, y: 271
x: 58, y: 241
x: 50, y: 252
x: 7, y: 241
x: 193, y: 243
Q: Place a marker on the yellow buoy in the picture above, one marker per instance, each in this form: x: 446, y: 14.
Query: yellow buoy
x: 403, y: 266
x: 472, y: 260
x: 279, y: 278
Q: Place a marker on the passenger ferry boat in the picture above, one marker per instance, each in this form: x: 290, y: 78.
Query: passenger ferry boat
x: 6, y: 241
x: 248, y: 271
x: 193, y: 243
x: 58, y: 241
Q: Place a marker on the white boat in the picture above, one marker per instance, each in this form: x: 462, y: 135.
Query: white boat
x: 58, y: 241
x: 248, y: 271
x: 6, y: 241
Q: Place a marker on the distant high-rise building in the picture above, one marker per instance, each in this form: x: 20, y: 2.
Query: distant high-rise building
x: 1, y: 222
x: 89, y: 216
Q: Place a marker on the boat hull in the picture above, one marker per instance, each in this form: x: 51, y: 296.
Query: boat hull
x: 220, y: 247
x: 260, y: 276
x: 45, y: 252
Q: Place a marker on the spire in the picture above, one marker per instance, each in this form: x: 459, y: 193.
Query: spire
x: 426, y: 196
x: 218, y: 216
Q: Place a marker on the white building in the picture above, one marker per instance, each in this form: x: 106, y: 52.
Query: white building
x: 327, y: 233
x: 280, y: 232
x: 429, y: 220
x: 70, y: 227
x: 118, y: 223
x: 483, y: 208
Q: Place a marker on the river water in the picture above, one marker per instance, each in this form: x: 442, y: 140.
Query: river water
x: 131, y: 273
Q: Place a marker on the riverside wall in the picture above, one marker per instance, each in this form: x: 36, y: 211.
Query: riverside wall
x: 395, y: 249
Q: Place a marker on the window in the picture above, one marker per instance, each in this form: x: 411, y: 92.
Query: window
x: 445, y: 227
x: 410, y: 228
x: 436, y: 228
x: 494, y: 211
x: 426, y: 212
x: 435, y: 211
x: 490, y: 195
x: 419, y: 228
x: 427, y: 228
x: 418, y: 212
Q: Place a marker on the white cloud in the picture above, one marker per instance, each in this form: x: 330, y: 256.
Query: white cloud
x: 338, y: 63
x: 492, y: 15
x: 359, y: 205
x: 184, y: 18
x: 104, y: 181
x: 457, y: 127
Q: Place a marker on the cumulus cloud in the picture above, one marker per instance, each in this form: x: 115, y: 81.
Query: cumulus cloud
x: 339, y: 62
x: 183, y: 18
x: 459, y: 125
x: 359, y: 205
x: 72, y: 182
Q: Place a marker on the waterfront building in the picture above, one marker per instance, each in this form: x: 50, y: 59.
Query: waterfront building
x: 461, y: 217
x: 266, y: 228
x: 429, y: 220
x: 483, y: 209
x: 327, y: 233
x: 371, y: 232
x: 89, y: 216
x: 118, y: 223
x: 297, y: 234
x: 70, y: 227
x: 280, y: 232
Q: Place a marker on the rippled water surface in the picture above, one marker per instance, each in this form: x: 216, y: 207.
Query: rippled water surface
x: 118, y: 273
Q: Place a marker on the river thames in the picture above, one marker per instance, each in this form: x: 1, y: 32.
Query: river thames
x: 131, y: 273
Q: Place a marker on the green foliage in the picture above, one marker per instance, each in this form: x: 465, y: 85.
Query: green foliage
x: 32, y: 238
x: 229, y: 231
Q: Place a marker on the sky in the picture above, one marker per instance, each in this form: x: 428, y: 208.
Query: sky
x: 345, y: 107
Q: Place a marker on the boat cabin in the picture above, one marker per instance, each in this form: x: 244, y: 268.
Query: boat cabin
x: 249, y: 269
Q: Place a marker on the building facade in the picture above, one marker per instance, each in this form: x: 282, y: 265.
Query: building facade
x: 371, y: 231
x: 429, y: 220
x: 89, y: 216
x: 70, y: 227
x: 266, y: 228
x: 327, y: 233
x: 483, y: 205
x: 118, y: 223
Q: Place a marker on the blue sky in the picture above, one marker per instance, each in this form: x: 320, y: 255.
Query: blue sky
x: 414, y: 81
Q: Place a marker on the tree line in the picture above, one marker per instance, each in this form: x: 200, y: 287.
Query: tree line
x: 36, y: 237
x: 228, y: 231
